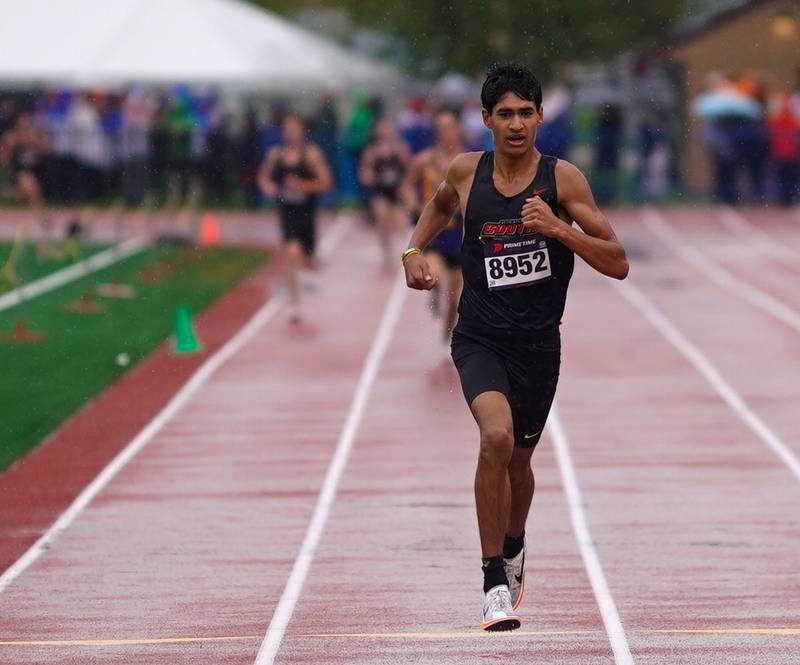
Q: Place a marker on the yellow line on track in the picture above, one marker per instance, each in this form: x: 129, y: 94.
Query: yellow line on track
x: 123, y: 643
x: 769, y: 632
x: 443, y: 636
x: 730, y: 631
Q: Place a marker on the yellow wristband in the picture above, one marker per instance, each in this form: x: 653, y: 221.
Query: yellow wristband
x: 410, y: 252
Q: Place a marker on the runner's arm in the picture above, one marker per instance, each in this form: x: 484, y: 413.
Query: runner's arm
x: 437, y: 213
x: 365, y: 173
x: 409, y: 189
x: 323, y: 180
x: 595, y: 242
x: 435, y: 216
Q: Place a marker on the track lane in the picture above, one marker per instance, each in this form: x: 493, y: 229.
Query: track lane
x: 757, y: 354
x: 195, y: 537
x: 691, y: 514
x: 397, y: 576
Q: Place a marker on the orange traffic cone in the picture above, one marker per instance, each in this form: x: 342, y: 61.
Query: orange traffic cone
x: 209, y: 230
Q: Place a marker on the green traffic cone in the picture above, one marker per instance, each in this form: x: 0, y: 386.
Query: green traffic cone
x: 185, y: 339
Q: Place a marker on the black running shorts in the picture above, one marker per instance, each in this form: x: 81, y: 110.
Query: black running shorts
x: 524, y: 370
x: 297, y: 223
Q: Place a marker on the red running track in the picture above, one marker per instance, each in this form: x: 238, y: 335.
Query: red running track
x: 184, y: 556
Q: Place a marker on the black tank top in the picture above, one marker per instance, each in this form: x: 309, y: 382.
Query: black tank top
x: 529, y: 272
x: 388, y: 170
x: 289, y: 195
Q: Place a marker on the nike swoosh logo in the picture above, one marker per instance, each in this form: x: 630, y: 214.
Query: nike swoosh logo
x: 519, y: 577
x: 536, y: 192
x: 530, y: 436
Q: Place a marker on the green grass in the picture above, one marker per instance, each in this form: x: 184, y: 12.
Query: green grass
x: 29, y: 267
x: 43, y: 384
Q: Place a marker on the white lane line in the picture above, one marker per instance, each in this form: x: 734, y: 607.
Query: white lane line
x: 75, y: 271
x: 737, y: 223
x: 591, y: 561
x: 718, y: 274
x: 231, y: 347
x: 283, y: 612
x: 703, y: 365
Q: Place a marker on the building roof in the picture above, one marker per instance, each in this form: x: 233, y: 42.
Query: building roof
x: 699, y: 25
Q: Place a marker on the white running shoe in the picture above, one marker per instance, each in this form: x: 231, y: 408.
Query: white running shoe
x: 515, y: 572
x: 498, y: 614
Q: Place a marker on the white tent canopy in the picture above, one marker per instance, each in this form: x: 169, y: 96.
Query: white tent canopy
x: 202, y: 42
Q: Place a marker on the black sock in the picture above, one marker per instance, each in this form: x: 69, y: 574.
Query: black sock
x: 494, y: 572
x: 513, y: 545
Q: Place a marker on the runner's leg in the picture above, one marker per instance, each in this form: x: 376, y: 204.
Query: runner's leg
x: 492, y: 487
x: 294, y: 259
x: 522, y: 482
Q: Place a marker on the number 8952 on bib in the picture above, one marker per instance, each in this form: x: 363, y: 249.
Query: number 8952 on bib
x: 514, y: 262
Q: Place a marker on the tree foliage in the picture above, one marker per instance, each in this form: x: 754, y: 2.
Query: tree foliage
x: 465, y: 35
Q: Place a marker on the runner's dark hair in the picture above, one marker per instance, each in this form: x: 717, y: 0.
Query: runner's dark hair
x: 448, y: 110
x: 510, y: 77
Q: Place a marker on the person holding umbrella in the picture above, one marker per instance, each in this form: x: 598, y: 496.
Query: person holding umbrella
x: 730, y: 115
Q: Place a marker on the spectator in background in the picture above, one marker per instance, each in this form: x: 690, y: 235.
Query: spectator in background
x: 415, y: 124
x: 357, y: 134
x: 606, y: 161
x: 325, y: 133
x: 217, y: 157
x: 8, y: 114
x: 179, y: 124
x: 90, y: 148
x: 784, y: 129
x: 110, y: 106
x: 247, y: 151
x: 477, y: 136
x: 159, y: 152
x: 358, y: 131
x: 554, y: 135
x: 59, y: 181
x: 652, y: 178
x: 135, y: 145
x: 753, y: 137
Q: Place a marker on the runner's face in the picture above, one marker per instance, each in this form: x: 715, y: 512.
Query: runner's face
x: 513, y: 122
x: 448, y: 132
x: 293, y: 131
x: 384, y: 131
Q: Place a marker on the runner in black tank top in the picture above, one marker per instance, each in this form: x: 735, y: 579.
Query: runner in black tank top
x: 493, y: 229
x: 518, y: 250
x: 297, y: 208
x: 382, y: 171
x: 294, y: 174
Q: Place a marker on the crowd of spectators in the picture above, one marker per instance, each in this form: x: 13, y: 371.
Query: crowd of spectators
x: 139, y: 147
x: 752, y: 135
x: 134, y: 147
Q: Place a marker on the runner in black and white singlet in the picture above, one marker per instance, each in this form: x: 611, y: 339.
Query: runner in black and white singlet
x: 518, y: 252
x: 294, y: 174
x: 382, y: 171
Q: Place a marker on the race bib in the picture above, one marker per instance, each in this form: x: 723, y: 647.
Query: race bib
x: 389, y: 177
x: 292, y: 196
x: 514, y: 261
